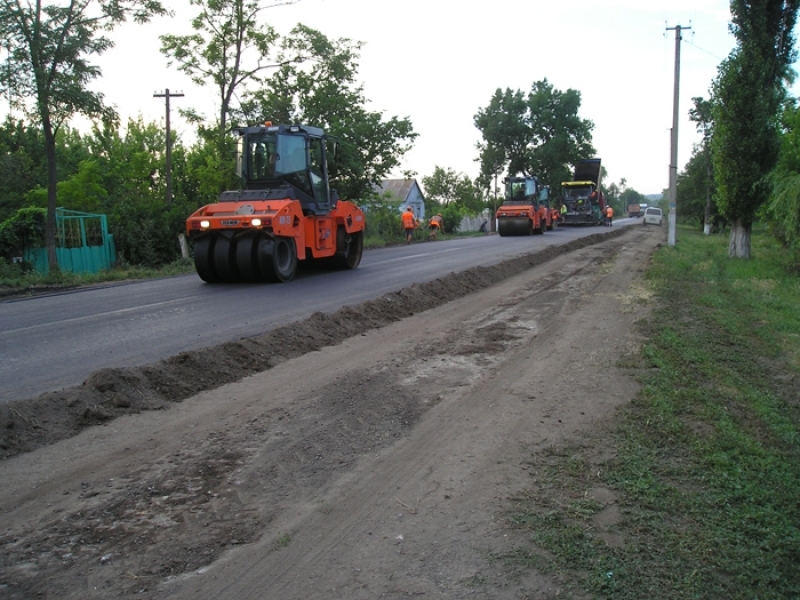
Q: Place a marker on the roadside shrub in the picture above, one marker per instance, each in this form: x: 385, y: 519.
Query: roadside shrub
x: 25, y: 229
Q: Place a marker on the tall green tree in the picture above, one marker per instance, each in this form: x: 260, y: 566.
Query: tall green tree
x: 325, y: 92
x: 748, y: 94
x: 445, y: 187
x: 49, y: 72
x: 229, y: 50
x: 539, y: 133
x: 703, y: 117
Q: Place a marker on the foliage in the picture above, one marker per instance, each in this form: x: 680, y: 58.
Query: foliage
x: 452, y: 215
x: 710, y: 444
x: 446, y: 187
x: 692, y: 187
x: 146, y: 231
x: 537, y: 134
x: 747, y: 97
x: 783, y: 210
x: 383, y: 219
x: 25, y: 229
x: 228, y: 49
x: 695, y: 186
x: 48, y: 72
x: 323, y: 91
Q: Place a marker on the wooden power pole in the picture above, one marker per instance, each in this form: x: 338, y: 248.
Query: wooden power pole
x: 167, y: 94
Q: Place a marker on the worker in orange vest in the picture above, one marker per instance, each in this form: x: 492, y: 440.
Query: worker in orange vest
x: 409, y: 223
x: 609, y: 215
x: 435, y: 225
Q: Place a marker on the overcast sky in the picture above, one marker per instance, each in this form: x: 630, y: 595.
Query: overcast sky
x: 439, y: 61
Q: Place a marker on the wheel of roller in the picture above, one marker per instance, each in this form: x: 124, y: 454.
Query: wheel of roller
x: 247, y: 256
x: 351, y: 247
x: 203, y: 259
x: 225, y: 259
x: 279, y: 264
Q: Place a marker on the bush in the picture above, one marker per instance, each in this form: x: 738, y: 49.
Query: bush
x: 26, y: 228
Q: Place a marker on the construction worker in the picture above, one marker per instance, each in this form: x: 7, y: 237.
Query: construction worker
x: 609, y: 215
x: 409, y: 223
x: 435, y: 225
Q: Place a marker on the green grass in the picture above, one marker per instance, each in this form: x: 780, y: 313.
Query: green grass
x: 707, y: 458
x: 14, y: 281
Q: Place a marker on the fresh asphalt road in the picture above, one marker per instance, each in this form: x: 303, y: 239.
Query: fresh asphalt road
x: 56, y: 341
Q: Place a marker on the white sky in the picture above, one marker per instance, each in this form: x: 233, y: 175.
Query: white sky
x: 439, y: 61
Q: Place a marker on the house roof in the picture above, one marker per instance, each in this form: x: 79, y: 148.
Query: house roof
x: 401, y: 188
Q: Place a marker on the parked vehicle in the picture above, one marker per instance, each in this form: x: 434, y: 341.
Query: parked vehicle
x: 634, y: 210
x: 653, y: 216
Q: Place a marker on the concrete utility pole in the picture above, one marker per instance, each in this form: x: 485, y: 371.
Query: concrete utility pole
x: 673, y: 163
x: 166, y: 94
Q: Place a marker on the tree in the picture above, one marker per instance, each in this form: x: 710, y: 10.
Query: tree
x: 22, y: 164
x: 446, y: 187
x: 748, y: 93
x: 783, y: 210
x: 324, y: 92
x: 228, y: 50
x: 537, y: 134
x: 49, y: 70
x: 702, y: 115
x: 693, y: 191
x: 505, y: 131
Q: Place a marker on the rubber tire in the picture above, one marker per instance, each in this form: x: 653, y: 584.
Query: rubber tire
x: 225, y: 259
x: 203, y: 258
x: 247, y: 247
x: 351, y: 252
x: 280, y: 263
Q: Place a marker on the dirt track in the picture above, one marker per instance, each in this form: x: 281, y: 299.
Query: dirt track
x: 377, y: 467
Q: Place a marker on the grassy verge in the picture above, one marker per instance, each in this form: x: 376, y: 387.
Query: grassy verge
x: 701, y: 498
x: 14, y: 282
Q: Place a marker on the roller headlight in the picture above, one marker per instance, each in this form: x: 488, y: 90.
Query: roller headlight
x: 205, y: 224
x: 256, y: 222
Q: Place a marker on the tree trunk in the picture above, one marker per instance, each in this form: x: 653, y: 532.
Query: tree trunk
x: 50, y: 229
x: 739, y: 242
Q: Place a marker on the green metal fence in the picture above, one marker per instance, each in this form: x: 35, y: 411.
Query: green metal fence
x: 83, y: 244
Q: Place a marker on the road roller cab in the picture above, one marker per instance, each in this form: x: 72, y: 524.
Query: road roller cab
x: 522, y: 211
x: 284, y: 212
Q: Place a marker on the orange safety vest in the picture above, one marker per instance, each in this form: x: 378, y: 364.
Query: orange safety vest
x: 436, y: 222
x: 409, y: 220
x: 609, y: 212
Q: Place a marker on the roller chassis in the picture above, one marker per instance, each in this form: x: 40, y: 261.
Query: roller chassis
x: 231, y: 249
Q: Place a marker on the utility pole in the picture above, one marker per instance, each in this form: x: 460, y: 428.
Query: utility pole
x: 673, y: 163
x: 166, y: 94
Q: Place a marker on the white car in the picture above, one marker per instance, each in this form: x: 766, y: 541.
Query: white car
x: 653, y: 216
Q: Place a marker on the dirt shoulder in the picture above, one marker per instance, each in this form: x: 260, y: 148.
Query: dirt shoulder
x: 365, y: 454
